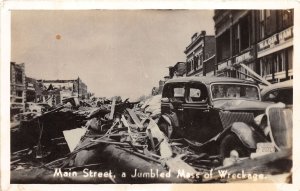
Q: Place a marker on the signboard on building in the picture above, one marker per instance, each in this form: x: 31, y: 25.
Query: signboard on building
x: 285, y: 35
x: 275, y: 40
x: 268, y: 43
x: 244, y: 57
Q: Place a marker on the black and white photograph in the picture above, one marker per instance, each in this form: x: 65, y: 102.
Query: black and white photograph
x: 151, y: 96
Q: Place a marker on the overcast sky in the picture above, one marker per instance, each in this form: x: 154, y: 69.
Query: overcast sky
x: 114, y: 52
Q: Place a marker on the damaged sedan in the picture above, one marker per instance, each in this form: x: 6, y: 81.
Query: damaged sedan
x: 218, y: 116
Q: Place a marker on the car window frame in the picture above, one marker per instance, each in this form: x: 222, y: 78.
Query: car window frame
x: 170, y: 86
x: 194, y: 85
x: 273, y: 90
x: 233, y: 83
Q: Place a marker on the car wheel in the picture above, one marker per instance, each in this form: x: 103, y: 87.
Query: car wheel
x: 166, y: 128
x: 232, y: 143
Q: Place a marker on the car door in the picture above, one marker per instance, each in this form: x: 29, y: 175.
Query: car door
x: 172, y: 106
x: 198, y: 114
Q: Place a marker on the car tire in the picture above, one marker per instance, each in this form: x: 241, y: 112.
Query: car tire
x: 231, y: 142
x: 166, y: 128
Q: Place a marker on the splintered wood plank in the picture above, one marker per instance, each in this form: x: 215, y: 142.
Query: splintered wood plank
x: 266, y: 164
x: 112, y: 111
x: 177, y: 165
x: 135, y: 119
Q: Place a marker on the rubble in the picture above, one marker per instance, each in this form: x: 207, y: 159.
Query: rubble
x: 122, y: 138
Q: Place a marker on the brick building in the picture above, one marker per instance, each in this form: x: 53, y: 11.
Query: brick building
x: 17, y: 87
x: 201, y: 48
x: 275, y: 44
x: 262, y: 40
x: 235, y: 41
x: 209, y: 66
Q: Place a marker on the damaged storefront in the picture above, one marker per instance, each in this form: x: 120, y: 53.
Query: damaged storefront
x: 275, y: 48
x: 275, y: 56
x: 262, y: 40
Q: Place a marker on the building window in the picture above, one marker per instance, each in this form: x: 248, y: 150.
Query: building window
x: 290, y: 58
x: 18, y: 100
x: 276, y: 64
x: 19, y: 93
x: 266, y: 66
x: 245, y: 32
x: 19, y: 76
x: 192, y: 65
x: 285, y: 18
x: 235, y: 39
x: 271, y: 22
x: 196, y: 60
x: 223, y: 46
x: 261, y: 24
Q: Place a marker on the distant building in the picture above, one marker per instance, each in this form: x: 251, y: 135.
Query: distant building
x: 63, y: 89
x: 209, y: 66
x: 202, y: 47
x: 178, y: 70
x: 17, y: 87
x: 31, y: 86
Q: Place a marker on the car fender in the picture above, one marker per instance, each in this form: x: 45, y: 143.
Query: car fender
x: 247, y: 135
x: 171, y: 119
x: 167, y: 119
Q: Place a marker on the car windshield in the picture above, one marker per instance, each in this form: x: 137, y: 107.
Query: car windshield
x: 234, y: 91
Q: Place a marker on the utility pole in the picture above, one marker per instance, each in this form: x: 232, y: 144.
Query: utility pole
x: 78, y: 86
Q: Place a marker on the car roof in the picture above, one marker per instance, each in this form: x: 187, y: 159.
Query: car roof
x: 285, y: 84
x: 208, y: 80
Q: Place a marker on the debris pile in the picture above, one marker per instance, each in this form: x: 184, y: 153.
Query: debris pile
x: 120, y: 138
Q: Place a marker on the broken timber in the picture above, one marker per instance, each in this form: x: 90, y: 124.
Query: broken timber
x: 257, y: 165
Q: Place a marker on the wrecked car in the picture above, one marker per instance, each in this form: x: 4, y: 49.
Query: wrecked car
x: 215, y: 114
x: 279, y: 92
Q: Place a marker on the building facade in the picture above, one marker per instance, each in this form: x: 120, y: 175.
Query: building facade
x: 261, y: 40
x: 275, y: 44
x: 235, y: 42
x: 67, y: 88
x: 17, y: 87
x: 201, y: 48
x: 209, y: 66
x: 31, y: 89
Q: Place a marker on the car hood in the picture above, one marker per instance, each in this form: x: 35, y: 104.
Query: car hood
x: 241, y: 104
